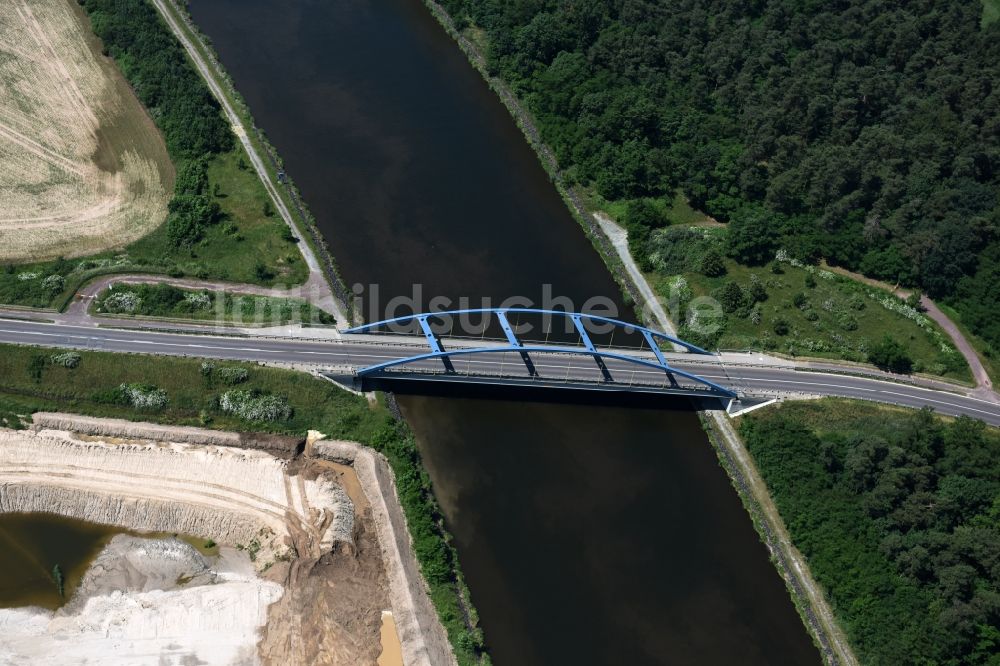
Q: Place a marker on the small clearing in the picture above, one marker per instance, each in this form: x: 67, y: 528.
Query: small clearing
x: 82, y: 166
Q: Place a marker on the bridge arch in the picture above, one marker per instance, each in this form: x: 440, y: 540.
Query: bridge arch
x: 366, y: 328
x: 514, y: 344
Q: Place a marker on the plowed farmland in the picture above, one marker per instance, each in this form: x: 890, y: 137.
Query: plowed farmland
x: 82, y: 166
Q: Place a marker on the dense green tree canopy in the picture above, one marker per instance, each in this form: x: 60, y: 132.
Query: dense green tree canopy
x: 156, y: 66
x: 890, y: 355
x: 899, y: 515
x: 868, y: 131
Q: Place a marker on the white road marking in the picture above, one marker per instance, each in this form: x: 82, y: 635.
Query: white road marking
x: 210, y: 344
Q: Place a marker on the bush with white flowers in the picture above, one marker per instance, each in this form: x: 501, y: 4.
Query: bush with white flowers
x: 233, y: 375
x: 680, y: 289
x: 66, y: 359
x: 54, y: 283
x: 198, y: 300
x: 893, y: 304
x: 255, y: 406
x: 144, y: 396
x: 124, y: 302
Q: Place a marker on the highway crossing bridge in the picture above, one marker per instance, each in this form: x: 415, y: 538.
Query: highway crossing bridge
x: 514, y: 361
x: 364, y: 355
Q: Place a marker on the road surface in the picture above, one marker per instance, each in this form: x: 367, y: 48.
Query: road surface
x: 340, y: 355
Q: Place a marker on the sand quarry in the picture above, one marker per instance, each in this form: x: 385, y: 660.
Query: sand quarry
x: 82, y: 167
x: 314, y: 567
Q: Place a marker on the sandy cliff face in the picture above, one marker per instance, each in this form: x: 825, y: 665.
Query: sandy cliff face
x: 324, y: 523
x: 233, y: 496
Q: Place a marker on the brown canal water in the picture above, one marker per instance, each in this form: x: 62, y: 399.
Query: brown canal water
x: 32, y: 544
x: 590, y: 532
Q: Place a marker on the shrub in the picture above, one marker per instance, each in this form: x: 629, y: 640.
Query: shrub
x: 680, y: 289
x: 57, y: 578
x: 640, y: 218
x: 780, y: 326
x: 54, y: 283
x: 122, y: 302
x: 233, y: 376
x: 255, y: 406
x: 890, y: 355
x: 36, y: 366
x: 732, y: 298
x: 712, y: 264
x: 198, y: 300
x: 847, y: 322
x: 66, y: 359
x: 262, y: 272
x: 189, y: 215
x: 751, y: 235
x: 143, y: 396
x: 756, y: 291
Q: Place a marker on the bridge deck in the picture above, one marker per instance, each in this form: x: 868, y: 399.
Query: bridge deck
x: 520, y: 360
x: 543, y: 368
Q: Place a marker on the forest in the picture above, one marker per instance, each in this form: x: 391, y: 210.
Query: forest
x: 863, y: 132
x: 898, y: 514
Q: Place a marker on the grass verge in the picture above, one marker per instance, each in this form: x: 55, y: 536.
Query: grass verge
x: 273, y: 164
x: 790, y: 308
x: 201, y: 305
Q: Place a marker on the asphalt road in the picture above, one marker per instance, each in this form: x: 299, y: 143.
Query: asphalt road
x: 341, y: 355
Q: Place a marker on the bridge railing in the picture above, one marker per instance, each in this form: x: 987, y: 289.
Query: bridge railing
x: 516, y: 345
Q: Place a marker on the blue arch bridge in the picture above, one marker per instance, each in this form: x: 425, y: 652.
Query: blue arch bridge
x: 427, y: 352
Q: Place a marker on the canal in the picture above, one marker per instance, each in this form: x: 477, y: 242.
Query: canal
x: 589, y: 533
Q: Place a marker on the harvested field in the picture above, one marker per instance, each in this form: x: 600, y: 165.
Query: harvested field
x: 84, y: 168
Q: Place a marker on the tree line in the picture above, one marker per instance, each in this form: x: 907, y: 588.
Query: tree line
x: 863, y: 132
x: 178, y: 100
x: 899, y: 515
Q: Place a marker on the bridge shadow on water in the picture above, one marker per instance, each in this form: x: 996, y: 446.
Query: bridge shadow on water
x: 543, y: 394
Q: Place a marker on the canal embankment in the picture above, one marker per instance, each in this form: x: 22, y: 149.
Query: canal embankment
x: 324, y: 288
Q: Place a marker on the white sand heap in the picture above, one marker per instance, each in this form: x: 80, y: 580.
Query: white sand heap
x: 147, y: 602
x: 233, y: 496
